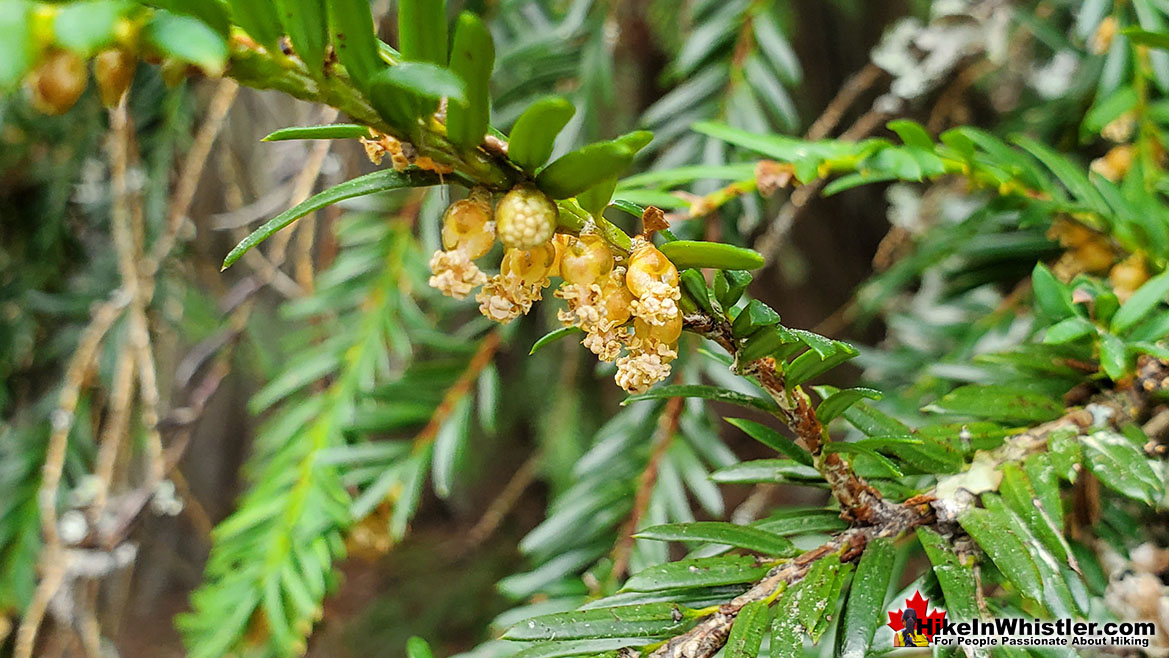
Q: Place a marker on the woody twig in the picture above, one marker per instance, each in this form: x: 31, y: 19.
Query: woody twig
x: 858, y: 501
x: 936, y: 507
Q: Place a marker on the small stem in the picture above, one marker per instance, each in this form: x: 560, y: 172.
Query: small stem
x: 458, y: 390
x: 503, y: 504
x: 114, y: 430
x: 52, y: 578
x: 263, y: 71
x: 858, y: 500
x: 188, y: 180
x: 575, y: 219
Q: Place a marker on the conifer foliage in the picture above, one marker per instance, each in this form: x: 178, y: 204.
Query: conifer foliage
x: 1004, y: 456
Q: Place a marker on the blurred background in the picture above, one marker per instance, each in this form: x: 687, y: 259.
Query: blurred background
x: 786, y: 66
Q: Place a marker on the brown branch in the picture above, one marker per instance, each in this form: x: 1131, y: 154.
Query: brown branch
x: 709, y: 635
x: 149, y: 395
x: 192, y: 508
x: 189, y: 175
x: 852, y: 89
x: 128, y: 230
x: 663, y: 437
x: 76, y: 372
x: 705, y: 639
x: 138, y: 280
x: 858, y: 500
x: 136, y: 364
x: 459, y: 389
x: 181, y: 420
x: 88, y: 627
x: 178, y: 425
x: 951, y: 98
x: 52, y: 577
x: 216, y: 352
x: 114, y: 431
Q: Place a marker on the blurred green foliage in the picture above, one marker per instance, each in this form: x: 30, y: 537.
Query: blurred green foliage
x: 1020, y: 289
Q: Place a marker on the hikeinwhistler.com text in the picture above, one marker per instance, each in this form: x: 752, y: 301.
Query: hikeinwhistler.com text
x: 1013, y: 631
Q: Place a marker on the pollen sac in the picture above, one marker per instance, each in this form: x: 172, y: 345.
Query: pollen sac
x: 602, y: 299
x: 467, y: 225
x: 601, y: 309
x: 560, y: 243
x: 57, y: 82
x: 616, y: 299
x: 1116, y: 163
x: 650, y: 353
x: 523, y: 274
x: 1071, y: 234
x: 525, y: 218
x: 1102, y: 39
x: 530, y: 266
x: 653, y: 279
x: 586, y: 260
x: 638, y: 371
x: 1128, y: 275
x: 654, y: 334
x: 649, y: 269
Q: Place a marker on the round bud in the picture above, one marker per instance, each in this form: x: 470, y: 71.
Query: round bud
x: 57, y: 82
x: 1069, y: 233
x: 586, y: 260
x: 113, y: 69
x: 1115, y: 164
x: 525, y: 217
x: 530, y: 265
x: 467, y: 225
x: 1128, y: 275
x: 1094, y: 256
x: 648, y: 269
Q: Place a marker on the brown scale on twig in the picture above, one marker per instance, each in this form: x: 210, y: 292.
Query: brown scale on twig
x: 402, y: 154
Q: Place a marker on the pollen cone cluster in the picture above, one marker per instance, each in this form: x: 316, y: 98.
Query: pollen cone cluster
x: 653, y: 280
x: 522, y: 277
x: 469, y: 230
x: 467, y: 233
x: 602, y: 298
x: 628, y: 310
x: 598, y: 301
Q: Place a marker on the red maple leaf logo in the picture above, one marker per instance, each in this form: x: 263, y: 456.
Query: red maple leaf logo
x: 931, y: 621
